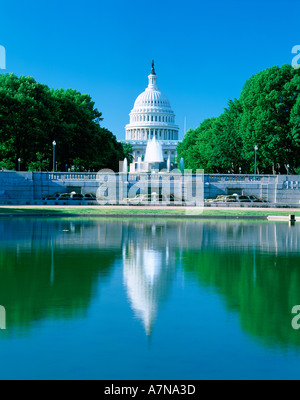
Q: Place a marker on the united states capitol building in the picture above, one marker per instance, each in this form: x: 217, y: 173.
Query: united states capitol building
x: 152, y: 117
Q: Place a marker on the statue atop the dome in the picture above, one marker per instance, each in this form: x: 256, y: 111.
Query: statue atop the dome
x: 153, y: 70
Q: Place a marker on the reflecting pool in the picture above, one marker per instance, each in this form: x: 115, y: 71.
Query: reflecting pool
x: 148, y: 299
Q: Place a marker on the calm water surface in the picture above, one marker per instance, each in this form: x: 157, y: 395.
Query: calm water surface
x: 143, y: 299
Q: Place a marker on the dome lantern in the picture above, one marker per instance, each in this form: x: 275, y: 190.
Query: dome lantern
x: 152, y: 78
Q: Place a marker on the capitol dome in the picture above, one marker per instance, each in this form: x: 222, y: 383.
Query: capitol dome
x: 152, y: 98
x: 152, y: 117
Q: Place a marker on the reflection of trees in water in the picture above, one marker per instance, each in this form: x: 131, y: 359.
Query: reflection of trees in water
x: 51, y: 268
x: 43, y: 279
x: 261, y: 287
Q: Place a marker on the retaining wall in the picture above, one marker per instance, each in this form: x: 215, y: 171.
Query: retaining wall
x: 31, y: 187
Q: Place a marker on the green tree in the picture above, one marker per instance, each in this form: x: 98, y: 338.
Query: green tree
x: 32, y: 116
x: 197, y: 145
x: 128, y: 152
x: 41, y: 163
x: 26, y: 111
x: 227, y: 142
x: 267, y: 100
x: 267, y: 114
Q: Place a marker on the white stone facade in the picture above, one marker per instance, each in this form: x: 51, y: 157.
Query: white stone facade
x: 152, y: 116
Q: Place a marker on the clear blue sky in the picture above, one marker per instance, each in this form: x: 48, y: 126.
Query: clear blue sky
x: 204, y: 51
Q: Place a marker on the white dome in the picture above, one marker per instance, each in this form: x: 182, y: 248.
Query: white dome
x: 152, y: 106
x: 151, y: 98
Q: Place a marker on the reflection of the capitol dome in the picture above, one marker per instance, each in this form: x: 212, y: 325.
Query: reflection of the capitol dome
x: 147, y: 277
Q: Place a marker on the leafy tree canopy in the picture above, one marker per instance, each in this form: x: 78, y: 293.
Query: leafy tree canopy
x: 128, y: 151
x: 32, y: 116
x: 266, y: 115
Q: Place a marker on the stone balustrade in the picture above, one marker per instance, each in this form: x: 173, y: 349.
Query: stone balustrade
x: 71, y: 176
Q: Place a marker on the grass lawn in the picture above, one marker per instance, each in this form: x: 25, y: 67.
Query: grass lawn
x: 141, y: 211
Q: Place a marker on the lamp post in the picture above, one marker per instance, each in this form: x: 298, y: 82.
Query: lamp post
x: 288, y: 169
x: 255, y: 148
x: 54, y: 144
x: 19, y: 164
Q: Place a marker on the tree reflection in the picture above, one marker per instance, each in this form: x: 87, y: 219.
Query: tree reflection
x: 53, y: 275
x: 261, y: 287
